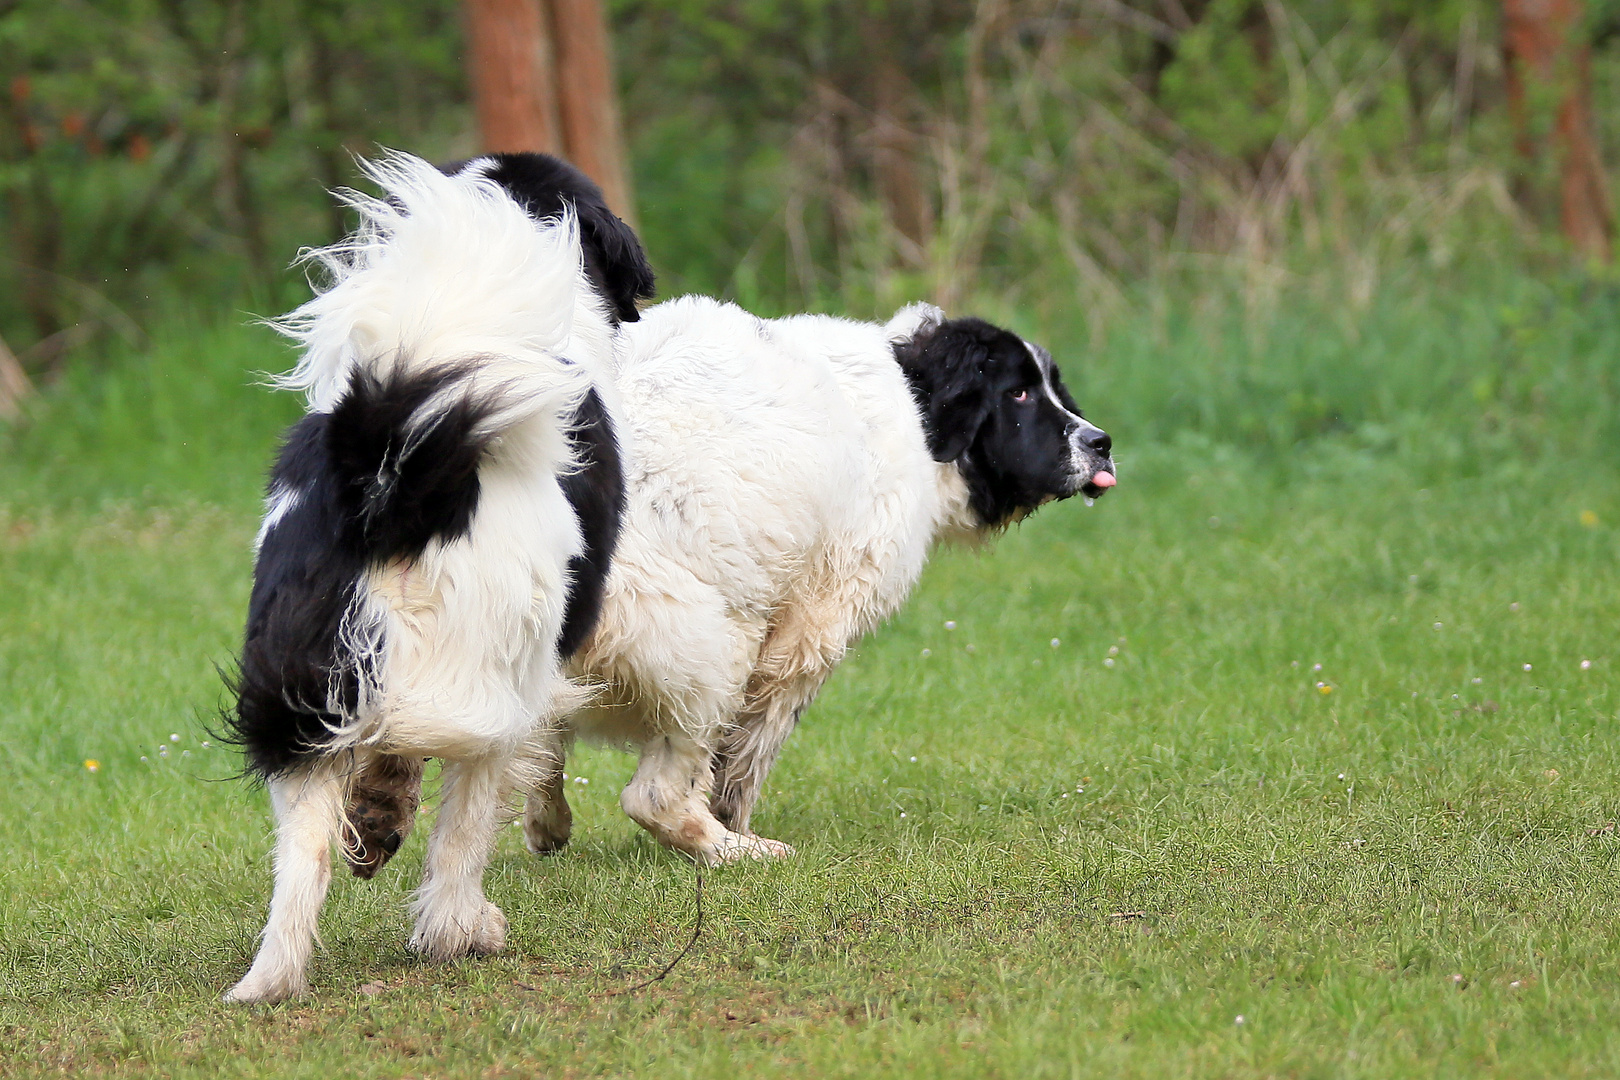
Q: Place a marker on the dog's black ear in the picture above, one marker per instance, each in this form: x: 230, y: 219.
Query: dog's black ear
x: 544, y: 186
x: 623, y: 273
x: 947, y: 364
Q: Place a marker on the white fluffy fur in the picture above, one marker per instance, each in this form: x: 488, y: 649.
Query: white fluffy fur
x: 782, y: 501
x: 444, y: 271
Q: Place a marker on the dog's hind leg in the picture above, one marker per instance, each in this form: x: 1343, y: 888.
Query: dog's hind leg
x: 309, y: 812
x: 547, y: 820
x: 669, y: 797
x: 383, y: 801
x: 749, y: 748
x: 453, y: 918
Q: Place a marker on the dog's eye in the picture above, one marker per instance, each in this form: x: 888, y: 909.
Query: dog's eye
x: 1020, y: 396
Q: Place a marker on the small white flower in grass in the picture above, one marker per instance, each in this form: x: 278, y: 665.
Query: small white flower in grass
x: 1477, y: 680
x: 1055, y: 642
x: 1341, y: 776
x: 1065, y: 795
x: 1514, y: 984
x: 1439, y: 626
x: 582, y: 780
x: 971, y: 647
x: 1586, y: 665
x: 1113, y: 650
x: 1457, y: 978
x: 927, y: 653
x: 1108, y: 661
x: 174, y: 738
x: 1316, y: 667
x: 1513, y: 607
x: 950, y: 624
x: 1527, y: 667
x: 902, y: 813
x: 145, y: 758
x: 913, y: 757
x: 1238, y: 1020
x: 185, y: 753
x: 205, y: 744
x: 1293, y: 663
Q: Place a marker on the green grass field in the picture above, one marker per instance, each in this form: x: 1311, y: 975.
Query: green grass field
x: 1117, y: 823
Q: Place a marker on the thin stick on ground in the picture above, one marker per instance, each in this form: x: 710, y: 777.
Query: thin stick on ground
x: 697, y: 930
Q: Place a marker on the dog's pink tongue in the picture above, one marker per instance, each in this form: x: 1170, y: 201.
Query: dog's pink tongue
x: 1104, y: 480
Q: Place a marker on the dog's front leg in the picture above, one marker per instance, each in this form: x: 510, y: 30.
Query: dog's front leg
x: 309, y: 811
x: 383, y: 801
x: 547, y: 820
x: 750, y: 747
x: 669, y: 797
x: 452, y: 916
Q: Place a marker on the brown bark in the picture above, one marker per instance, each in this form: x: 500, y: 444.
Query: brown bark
x: 894, y: 153
x: 513, y: 75
x: 1549, y: 77
x: 587, y: 99
x: 14, y: 385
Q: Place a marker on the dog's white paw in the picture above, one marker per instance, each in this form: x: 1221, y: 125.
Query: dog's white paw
x: 260, y: 987
x: 735, y: 847
x: 450, y: 937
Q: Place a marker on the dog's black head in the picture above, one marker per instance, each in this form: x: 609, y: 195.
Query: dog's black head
x: 996, y: 405
x: 544, y: 186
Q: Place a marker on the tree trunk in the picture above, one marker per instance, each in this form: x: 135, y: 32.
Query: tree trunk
x: 587, y: 99
x: 894, y: 154
x: 513, y: 77
x: 14, y: 384
x: 1549, y: 85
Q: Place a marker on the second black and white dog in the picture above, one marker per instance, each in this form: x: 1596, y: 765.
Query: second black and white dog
x: 431, y: 583
x: 436, y: 539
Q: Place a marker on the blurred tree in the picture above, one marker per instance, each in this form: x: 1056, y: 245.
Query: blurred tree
x: 512, y: 72
x: 15, y: 386
x: 1549, y: 88
x: 542, y: 78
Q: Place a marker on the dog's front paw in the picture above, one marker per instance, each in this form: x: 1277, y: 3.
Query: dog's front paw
x: 450, y: 938
x: 261, y: 987
x: 735, y: 847
x: 546, y: 831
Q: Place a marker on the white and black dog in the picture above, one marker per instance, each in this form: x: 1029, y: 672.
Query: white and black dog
x: 500, y: 489
x: 785, y: 480
x: 437, y: 534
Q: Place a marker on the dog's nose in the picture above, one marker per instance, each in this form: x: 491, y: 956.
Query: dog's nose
x: 1096, y: 440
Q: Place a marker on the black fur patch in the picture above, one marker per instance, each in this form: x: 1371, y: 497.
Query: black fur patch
x: 596, y: 492
x: 966, y: 375
x: 544, y: 185
x: 367, y: 492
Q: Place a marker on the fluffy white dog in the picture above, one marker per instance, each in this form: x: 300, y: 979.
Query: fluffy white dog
x: 786, y: 479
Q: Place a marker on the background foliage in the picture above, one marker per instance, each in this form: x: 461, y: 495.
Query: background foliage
x: 849, y: 154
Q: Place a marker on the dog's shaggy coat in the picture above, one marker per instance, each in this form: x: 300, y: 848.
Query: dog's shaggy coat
x: 436, y: 540
x: 785, y: 480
